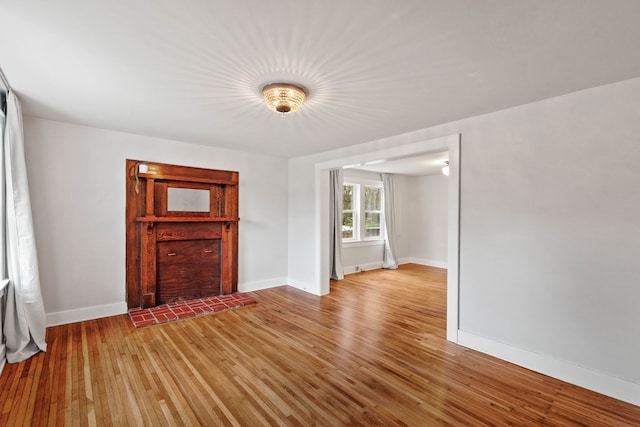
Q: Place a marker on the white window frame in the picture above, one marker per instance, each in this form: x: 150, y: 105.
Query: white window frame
x: 363, y: 229
x: 359, y: 238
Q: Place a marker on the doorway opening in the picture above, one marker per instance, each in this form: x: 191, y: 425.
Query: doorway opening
x: 449, y: 143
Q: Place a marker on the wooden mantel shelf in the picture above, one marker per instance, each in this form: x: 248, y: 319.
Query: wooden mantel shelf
x: 169, y: 177
x: 184, y: 219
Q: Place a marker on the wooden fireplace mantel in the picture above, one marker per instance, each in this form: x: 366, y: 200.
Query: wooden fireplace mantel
x: 176, y: 255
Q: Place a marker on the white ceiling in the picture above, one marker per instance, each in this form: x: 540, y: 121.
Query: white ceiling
x: 192, y: 70
x: 421, y: 164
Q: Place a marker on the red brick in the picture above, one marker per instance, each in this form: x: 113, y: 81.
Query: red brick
x: 190, y: 308
x: 185, y: 314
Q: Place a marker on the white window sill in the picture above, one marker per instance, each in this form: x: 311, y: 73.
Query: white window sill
x: 361, y: 243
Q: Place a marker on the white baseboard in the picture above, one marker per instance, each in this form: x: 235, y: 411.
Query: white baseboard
x: 363, y: 267
x: 262, y: 284
x: 427, y: 262
x: 349, y: 270
x: 406, y: 260
x: 560, y: 369
x: 86, y: 313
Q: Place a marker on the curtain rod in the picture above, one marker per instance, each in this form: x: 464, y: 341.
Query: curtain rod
x: 5, y: 82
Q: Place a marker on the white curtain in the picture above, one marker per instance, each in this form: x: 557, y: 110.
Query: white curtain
x: 335, y: 223
x: 24, y: 318
x: 3, y: 283
x: 389, y: 258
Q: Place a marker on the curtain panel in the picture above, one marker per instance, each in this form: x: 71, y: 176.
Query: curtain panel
x: 389, y: 257
x: 335, y: 223
x: 24, y: 321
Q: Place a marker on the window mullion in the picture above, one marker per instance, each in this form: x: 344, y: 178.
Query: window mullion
x: 362, y: 223
x: 356, y: 212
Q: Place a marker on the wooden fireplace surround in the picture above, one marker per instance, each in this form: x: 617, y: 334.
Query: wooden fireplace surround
x: 175, y: 255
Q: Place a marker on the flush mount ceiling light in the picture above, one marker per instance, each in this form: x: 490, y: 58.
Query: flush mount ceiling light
x: 445, y: 169
x: 283, y: 97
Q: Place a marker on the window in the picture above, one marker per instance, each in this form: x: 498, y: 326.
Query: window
x: 362, y: 217
x: 372, y: 212
x: 349, y: 193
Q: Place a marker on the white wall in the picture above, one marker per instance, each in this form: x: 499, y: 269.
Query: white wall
x: 355, y: 173
x: 366, y: 256
x: 77, y: 183
x: 549, y: 233
x: 403, y: 188
x: 427, y: 210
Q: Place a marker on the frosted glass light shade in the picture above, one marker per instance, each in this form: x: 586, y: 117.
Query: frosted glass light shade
x: 283, y: 97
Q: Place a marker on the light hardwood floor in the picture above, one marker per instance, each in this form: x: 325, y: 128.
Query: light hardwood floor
x: 373, y: 352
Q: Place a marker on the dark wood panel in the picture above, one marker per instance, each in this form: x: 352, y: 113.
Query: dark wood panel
x: 148, y: 265
x: 230, y: 198
x: 151, y: 196
x: 160, y: 198
x: 234, y: 271
x: 188, y: 231
x: 372, y: 353
x: 135, y: 194
x: 187, y: 269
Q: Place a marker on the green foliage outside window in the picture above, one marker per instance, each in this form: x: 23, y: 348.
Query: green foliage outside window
x: 354, y: 214
x: 347, y: 197
x: 347, y: 217
x: 372, y: 198
x: 372, y: 207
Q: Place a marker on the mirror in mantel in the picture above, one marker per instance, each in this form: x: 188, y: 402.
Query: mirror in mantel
x: 187, y: 200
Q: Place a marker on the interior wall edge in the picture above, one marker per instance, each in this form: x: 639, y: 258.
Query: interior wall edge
x: 303, y: 286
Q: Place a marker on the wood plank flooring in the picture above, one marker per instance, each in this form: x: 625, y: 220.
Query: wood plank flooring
x: 373, y: 353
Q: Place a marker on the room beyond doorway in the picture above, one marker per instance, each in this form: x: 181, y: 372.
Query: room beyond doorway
x: 450, y: 143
